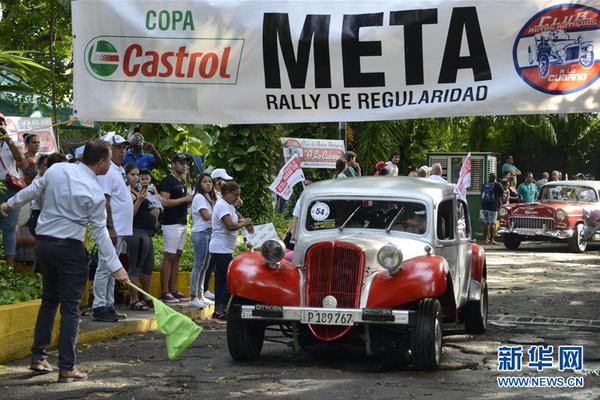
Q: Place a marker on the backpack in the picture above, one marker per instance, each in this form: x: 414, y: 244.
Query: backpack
x: 487, y: 193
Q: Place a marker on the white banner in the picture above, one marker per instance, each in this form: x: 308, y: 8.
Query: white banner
x: 313, y: 61
x: 313, y: 153
x: 288, y: 176
x: 18, y: 127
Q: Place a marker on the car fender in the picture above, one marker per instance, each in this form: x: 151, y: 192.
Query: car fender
x: 250, y: 277
x: 419, y: 278
x: 477, y: 262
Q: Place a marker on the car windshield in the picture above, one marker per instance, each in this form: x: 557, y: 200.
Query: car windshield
x: 575, y: 194
x: 399, y: 216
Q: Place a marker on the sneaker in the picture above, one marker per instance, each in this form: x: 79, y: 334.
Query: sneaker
x: 219, y: 317
x: 168, y: 298
x: 206, y: 301
x: 209, y: 295
x: 102, y: 314
x: 180, y: 296
x: 197, y: 303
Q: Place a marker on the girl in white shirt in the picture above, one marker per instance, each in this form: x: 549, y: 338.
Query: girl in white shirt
x: 202, y: 209
x: 225, y: 225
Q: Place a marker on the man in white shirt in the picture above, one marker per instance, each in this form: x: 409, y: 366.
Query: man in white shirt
x: 72, y: 200
x: 392, y: 165
x: 436, y: 173
x: 119, y: 221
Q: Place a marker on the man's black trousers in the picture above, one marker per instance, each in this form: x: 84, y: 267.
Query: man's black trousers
x: 64, y: 268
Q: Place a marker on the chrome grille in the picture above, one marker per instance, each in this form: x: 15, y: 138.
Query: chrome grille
x: 531, y: 223
x: 333, y: 268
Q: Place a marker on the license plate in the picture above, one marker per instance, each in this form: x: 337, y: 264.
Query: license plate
x: 327, y: 318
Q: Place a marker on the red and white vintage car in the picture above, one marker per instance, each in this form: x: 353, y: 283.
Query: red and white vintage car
x: 380, y: 262
x: 557, y: 215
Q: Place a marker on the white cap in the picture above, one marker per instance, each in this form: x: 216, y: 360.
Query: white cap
x: 114, y: 139
x: 220, y: 173
x: 79, y: 151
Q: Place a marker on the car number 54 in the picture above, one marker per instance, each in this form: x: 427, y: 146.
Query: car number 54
x: 327, y: 318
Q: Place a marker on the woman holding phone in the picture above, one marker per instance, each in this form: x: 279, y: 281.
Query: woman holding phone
x: 140, y: 249
x: 202, y: 207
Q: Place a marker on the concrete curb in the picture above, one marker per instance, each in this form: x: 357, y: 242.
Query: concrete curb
x: 89, y: 331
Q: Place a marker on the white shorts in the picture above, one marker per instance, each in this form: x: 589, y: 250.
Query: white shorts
x: 174, y: 236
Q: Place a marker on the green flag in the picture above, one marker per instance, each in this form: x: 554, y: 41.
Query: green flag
x: 179, y: 329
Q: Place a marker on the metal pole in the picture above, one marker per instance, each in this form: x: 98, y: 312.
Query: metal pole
x: 342, y: 131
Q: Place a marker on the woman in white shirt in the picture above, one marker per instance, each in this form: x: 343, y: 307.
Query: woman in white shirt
x: 202, y: 208
x: 225, y: 225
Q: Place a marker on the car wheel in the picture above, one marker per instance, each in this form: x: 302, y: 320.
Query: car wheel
x: 587, y: 59
x: 426, y: 339
x: 544, y: 66
x: 244, y: 337
x: 511, y: 241
x: 576, y: 243
x: 475, y: 313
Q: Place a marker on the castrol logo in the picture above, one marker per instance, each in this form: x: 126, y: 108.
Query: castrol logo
x: 164, y: 60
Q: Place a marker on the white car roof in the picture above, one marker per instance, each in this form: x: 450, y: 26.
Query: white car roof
x: 381, y: 187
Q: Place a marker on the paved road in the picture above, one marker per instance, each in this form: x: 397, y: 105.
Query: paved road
x: 536, y: 281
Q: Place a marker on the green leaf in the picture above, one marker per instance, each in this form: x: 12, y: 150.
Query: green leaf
x: 239, y: 166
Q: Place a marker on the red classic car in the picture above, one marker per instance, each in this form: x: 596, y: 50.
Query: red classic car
x: 380, y: 262
x: 557, y: 215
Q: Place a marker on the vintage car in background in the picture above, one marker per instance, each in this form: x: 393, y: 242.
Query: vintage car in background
x: 559, y: 48
x: 380, y: 262
x: 558, y: 215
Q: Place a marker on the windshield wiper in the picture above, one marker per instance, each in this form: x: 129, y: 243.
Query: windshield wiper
x: 389, y: 228
x: 350, y: 217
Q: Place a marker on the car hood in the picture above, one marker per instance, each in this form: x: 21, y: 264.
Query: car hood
x: 543, y: 210
x: 369, y: 243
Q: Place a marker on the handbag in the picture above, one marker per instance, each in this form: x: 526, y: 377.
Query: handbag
x: 13, y: 182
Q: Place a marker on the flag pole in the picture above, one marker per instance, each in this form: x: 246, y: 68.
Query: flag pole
x: 139, y: 290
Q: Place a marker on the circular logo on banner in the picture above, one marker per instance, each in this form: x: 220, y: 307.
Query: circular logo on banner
x: 103, y: 57
x: 319, y: 211
x: 555, y: 52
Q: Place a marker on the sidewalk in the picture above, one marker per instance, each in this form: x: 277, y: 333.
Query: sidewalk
x: 136, y: 322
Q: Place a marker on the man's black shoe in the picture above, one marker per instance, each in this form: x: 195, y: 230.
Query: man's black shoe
x: 103, y: 315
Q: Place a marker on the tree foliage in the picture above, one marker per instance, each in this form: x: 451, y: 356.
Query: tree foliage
x: 249, y: 153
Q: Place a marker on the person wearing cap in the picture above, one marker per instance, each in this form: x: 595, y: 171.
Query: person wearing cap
x: 136, y: 155
x: 119, y: 221
x: 218, y: 176
x: 10, y: 159
x: 174, y: 227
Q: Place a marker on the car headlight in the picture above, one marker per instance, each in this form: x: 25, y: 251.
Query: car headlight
x: 561, y: 53
x: 503, y: 212
x: 390, y: 257
x: 589, y: 48
x: 273, y: 251
x: 560, y: 214
x: 586, y: 213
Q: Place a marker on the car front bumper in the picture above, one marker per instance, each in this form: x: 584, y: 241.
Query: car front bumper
x: 554, y: 234
x: 310, y: 315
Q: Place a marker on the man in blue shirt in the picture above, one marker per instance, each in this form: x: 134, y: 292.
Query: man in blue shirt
x: 510, y: 167
x: 135, y: 154
x: 528, y: 190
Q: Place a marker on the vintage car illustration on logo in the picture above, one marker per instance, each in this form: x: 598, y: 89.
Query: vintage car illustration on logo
x: 379, y: 262
x: 558, y: 215
x: 559, y: 48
